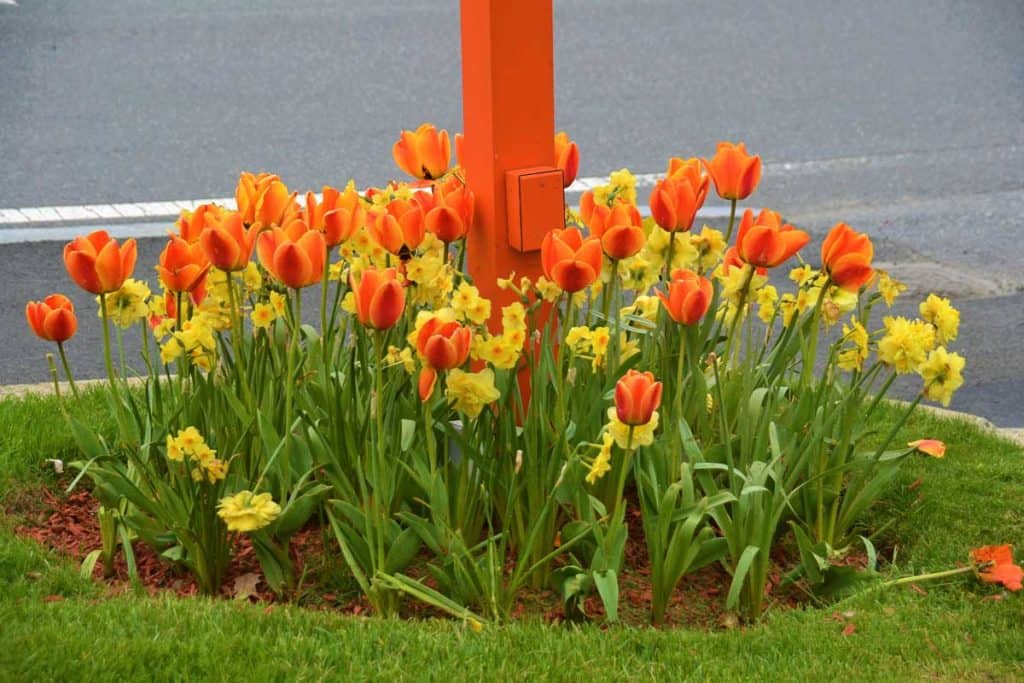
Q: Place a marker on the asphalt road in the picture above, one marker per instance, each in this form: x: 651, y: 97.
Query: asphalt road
x: 904, y: 119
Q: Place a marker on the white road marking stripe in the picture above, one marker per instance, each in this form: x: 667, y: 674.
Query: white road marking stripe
x: 52, y: 216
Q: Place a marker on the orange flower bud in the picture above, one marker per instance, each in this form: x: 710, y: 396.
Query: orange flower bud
x: 618, y: 227
x: 676, y: 199
x: 846, y: 256
x: 227, y: 243
x: 444, y: 345
x: 97, y: 263
x: 767, y: 241
x: 689, y: 296
x: 427, y: 381
x: 182, y: 265
x: 424, y: 153
x: 379, y: 298
x: 295, y: 255
x: 53, y: 318
x: 567, y: 158
x: 637, y: 396
x: 570, y: 261
x: 736, y: 173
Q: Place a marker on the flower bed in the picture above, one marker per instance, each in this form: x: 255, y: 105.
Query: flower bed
x: 491, y: 444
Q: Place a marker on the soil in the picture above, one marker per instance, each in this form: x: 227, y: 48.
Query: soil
x: 68, y: 525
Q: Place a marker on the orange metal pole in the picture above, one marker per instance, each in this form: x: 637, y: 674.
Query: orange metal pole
x: 508, y: 120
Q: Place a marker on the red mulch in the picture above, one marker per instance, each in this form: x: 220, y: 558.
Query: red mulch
x: 68, y: 524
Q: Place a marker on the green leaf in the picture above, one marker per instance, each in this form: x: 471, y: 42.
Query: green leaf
x: 607, y: 583
x: 408, y: 433
x: 740, y: 575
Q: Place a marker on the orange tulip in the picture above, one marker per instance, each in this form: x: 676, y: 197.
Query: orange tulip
x: 618, y: 227
x: 567, y: 158
x: 676, y: 199
x: 460, y: 140
x: 570, y: 261
x: 637, y: 396
x: 731, y: 259
x: 295, y: 255
x: 192, y: 223
x: 932, y: 447
x: 97, y: 263
x: 689, y: 296
x: 338, y: 215
x: 846, y: 256
x: 182, y: 265
x: 263, y: 200
x: 444, y: 345
x: 452, y: 216
x: 424, y: 153
x: 767, y: 241
x: 736, y: 173
x: 994, y: 564
x: 400, y: 228
x: 427, y: 381
x: 227, y: 243
x: 379, y: 298
x: 53, y: 318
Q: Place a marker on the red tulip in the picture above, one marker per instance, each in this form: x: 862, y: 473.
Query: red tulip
x: 567, y: 158
x: 618, y: 227
x: 676, y: 199
x: 424, y: 153
x: 767, y: 241
x: 97, y: 263
x: 994, y: 564
x: 736, y: 173
x: 228, y: 243
x: 444, y: 345
x: 570, y: 261
x: 182, y: 265
x: 689, y: 296
x: 637, y: 396
x: 263, y: 200
x: 192, y: 223
x: 52, y: 319
x: 846, y: 256
x: 399, y: 228
x: 379, y: 298
x: 452, y: 216
x: 295, y: 255
x: 338, y: 215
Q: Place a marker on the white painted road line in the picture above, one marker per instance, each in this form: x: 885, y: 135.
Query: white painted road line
x: 56, y: 216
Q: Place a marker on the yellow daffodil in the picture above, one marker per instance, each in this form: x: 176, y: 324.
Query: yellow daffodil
x: 129, y: 304
x: 942, y: 373
x: 602, y: 462
x: 643, y: 435
x: 471, y: 391
x: 905, y: 344
x: 263, y: 316
x: 889, y: 288
x: 938, y: 312
x: 852, y: 357
x: 248, y: 511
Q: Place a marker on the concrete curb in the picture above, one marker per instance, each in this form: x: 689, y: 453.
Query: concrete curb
x: 1012, y: 434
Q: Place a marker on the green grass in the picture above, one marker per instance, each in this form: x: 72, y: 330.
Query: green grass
x: 955, y: 632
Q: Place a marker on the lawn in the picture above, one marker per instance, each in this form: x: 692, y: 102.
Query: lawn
x: 55, y: 625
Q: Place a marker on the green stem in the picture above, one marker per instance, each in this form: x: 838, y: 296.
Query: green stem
x: 732, y: 220
x: 928, y: 577
x: 627, y: 461
x: 810, y: 357
x: 323, y: 298
x: 236, y: 339
x: 67, y: 369
x: 739, y: 315
x: 108, y: 361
